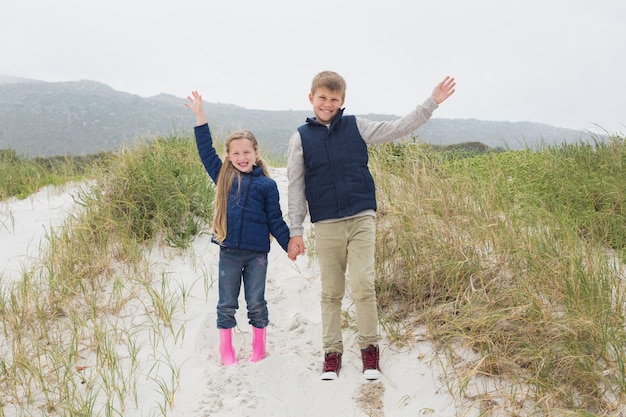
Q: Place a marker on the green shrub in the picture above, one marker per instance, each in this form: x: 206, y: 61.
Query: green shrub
x: 157, y: 187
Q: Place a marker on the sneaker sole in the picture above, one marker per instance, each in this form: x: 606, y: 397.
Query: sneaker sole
x: 328, y: 376
x: 371, y: 374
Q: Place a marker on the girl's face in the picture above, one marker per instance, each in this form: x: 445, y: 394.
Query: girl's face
x: 242, y: 154
x: 326, y: 104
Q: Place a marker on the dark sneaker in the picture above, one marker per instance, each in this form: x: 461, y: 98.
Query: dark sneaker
x: 332, y: 365
x: 371, y: 368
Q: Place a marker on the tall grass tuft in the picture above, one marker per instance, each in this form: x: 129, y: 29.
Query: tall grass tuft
x: 159, y: 187
x: 507, y: 258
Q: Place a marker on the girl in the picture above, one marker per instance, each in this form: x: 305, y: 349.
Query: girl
x: 247, y: 211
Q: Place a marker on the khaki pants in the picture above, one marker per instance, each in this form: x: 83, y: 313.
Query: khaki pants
x: 347, y: 243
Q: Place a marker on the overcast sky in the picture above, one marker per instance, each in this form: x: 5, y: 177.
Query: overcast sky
x: 559, y: 62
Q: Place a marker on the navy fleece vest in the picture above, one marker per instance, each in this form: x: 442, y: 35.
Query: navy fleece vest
x: 337, y: 180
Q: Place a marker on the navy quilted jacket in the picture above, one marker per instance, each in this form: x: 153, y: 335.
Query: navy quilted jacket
x: 254, y: 211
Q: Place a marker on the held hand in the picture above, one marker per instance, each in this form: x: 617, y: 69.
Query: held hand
x: 295, y: 248
x: 196, y: 106
x: 443, y: 90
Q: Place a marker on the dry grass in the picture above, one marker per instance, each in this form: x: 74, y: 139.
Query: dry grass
x: 484, y: 253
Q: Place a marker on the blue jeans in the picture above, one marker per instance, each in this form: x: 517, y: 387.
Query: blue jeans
x: 236, y: 265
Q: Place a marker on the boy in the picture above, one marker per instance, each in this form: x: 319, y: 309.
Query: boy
x: 327, y: 167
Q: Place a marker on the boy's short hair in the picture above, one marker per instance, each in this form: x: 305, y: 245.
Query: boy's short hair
x: 331, y: 80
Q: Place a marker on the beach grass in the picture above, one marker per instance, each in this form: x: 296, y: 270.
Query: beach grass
x: 514, y: 262
x: 68, y: 345
x: 21, y: 176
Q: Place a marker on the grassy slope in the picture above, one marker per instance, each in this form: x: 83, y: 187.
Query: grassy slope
x: 505, y: 256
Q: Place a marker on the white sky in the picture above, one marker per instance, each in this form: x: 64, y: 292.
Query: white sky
x: 551, y: 61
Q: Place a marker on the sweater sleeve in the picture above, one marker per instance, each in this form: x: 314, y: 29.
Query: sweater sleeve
x: 380, y: 132
x: 296, y: 198
x: 208, y: 155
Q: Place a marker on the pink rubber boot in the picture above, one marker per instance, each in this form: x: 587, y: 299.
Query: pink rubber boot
x: 226, y: 347
x: 258, y: 344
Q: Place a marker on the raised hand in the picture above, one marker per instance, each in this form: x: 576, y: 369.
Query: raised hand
x: 195, y: 104
x: 443, y: 90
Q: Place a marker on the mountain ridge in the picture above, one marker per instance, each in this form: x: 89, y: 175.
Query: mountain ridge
x: 39, y: 118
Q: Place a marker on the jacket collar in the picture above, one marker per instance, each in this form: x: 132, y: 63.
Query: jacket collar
x: 257, y: 171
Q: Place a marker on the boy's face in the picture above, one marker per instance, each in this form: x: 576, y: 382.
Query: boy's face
x: 326, y: 103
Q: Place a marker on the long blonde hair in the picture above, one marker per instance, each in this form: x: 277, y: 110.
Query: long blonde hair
x: 228, y: 174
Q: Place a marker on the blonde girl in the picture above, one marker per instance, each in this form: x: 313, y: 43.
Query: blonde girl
x: 247, y: 213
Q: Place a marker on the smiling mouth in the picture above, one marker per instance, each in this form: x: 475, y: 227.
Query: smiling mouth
x: 243, y: 165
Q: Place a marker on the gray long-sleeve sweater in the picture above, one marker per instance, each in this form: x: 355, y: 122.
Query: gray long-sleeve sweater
x: 371, y: 132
